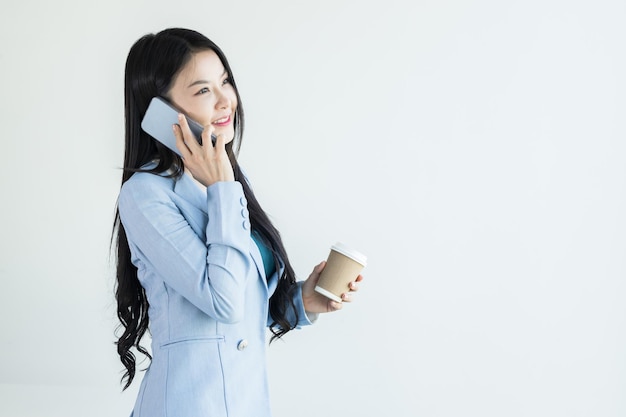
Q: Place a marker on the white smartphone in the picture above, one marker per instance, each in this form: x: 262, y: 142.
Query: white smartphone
x: 158, y: 122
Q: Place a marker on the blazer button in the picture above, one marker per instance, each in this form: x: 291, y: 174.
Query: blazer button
x: 246, y: 224
x: 243, y: 201
x: 243, y: 343
x: 244, y: 213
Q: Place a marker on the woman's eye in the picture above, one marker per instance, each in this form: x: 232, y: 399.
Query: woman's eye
x: 226, y: 81
x: 204, y: 91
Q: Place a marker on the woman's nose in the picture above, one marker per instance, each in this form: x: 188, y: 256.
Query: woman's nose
x: 223, y: 101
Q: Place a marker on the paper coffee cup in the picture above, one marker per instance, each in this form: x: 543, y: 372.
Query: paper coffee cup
x: 343, y: 266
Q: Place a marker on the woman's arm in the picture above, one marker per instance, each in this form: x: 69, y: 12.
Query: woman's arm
x: 210, y: 273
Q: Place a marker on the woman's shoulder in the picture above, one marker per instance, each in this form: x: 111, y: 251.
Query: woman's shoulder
x: 150, y: 179
x: 144, y: 185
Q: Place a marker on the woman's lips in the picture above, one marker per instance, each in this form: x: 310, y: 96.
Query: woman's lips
x: 222, y: 122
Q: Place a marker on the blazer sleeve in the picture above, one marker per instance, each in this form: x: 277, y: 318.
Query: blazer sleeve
x: 210, y: 273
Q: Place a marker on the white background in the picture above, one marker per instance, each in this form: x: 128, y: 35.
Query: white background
x: 474, y: 150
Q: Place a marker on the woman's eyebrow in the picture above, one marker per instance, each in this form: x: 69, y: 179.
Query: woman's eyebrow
x: 197, y: 82
x: 204, y: 81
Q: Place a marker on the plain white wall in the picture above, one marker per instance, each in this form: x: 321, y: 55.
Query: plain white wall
x: 474, y: 150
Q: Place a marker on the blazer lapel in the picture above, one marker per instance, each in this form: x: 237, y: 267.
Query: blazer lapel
x: 255, y: 254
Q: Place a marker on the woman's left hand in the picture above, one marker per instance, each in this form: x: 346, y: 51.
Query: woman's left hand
x: 315, y: 302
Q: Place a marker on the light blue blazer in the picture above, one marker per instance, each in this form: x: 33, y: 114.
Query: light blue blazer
x: 208, y: 293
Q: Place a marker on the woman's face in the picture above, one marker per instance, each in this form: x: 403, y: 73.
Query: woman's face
x: 202, y: 90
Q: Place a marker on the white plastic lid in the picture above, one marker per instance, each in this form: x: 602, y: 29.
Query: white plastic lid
x: 350, y: 253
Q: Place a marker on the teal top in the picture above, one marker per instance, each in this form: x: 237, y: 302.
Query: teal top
x: 268, y: 259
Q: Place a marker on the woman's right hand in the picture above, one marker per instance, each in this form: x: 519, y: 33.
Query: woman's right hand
x: 208, y: 164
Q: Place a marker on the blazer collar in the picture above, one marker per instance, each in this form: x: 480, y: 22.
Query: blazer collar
x: 191, y: 190
x: 186, y: 187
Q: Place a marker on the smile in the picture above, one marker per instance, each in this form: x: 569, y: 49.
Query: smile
x: 222, y: 121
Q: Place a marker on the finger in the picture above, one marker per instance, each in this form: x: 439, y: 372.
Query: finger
x: 206, y: 135
x: 188, y: 136
x: 180, y: 142
x: 315, y: 274
x: 346, y: 297
x: 220, y: 142
x: 359, y: 278
x: 334, y: 306
x: 317, y: 269
x: 354, y: 286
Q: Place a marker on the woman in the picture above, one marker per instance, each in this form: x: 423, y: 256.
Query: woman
x: 198, y: 258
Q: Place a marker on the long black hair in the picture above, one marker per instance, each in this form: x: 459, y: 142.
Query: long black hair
x: 151, y: 66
